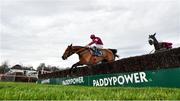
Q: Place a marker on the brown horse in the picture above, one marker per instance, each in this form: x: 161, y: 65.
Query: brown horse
x: 87, y: 58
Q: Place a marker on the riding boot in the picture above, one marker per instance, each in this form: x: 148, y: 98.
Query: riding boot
x: 98, y: 52
x: 94, y: 51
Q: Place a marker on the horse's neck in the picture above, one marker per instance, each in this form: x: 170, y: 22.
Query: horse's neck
x: 77, y: 49
x: 156, y: 44
x: 80, y: 50
x: 155, y: 40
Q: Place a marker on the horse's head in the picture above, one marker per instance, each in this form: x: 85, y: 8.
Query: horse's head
x: 68, y: 52
x: 152, y: 39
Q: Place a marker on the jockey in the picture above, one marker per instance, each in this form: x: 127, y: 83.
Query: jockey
x: 167, y: 45
x: 98, y: 44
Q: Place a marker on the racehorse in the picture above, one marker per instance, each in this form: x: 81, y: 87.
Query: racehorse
x: 87, y: 58
x: 159, y: 46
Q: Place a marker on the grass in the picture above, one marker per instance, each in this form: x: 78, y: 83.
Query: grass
x: 31, y: 91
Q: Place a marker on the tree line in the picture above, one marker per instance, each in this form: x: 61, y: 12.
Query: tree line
x: 5, y: 67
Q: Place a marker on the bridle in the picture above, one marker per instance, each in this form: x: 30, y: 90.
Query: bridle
x: 150, y: 40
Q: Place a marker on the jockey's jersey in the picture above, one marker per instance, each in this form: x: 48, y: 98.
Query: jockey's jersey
x: 96, y: 41
x: 166, y: 44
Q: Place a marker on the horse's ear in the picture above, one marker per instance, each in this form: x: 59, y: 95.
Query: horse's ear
x: 70, y: 45
x: 154, y: 34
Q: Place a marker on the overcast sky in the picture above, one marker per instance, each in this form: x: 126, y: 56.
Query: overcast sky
x: 38, y: 31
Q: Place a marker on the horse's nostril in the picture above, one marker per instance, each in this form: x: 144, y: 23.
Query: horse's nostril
x: 63, y: 57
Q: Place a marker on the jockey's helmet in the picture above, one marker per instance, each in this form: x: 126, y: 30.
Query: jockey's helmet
x: 92, y: 36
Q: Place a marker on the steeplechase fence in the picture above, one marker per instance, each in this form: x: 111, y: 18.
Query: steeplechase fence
x: 160, y: 69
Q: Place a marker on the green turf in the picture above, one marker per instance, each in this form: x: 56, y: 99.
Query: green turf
x: 30, y: 91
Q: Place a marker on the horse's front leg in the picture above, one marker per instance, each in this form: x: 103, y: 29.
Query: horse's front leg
x: 75, y: 66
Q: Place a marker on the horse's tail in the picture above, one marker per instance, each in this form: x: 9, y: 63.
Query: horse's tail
x: 114, y: 51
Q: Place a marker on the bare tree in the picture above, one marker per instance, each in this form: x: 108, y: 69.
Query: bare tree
x: 41, y: 67
x: 4, y: 67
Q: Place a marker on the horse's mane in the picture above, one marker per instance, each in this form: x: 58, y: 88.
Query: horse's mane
x: 79, y: 47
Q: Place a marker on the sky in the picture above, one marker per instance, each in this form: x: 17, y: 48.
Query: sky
x: 39, y: 31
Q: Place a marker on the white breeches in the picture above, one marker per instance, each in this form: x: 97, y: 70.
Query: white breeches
x: 99, y: 46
